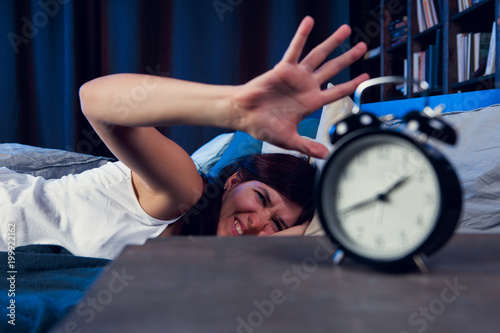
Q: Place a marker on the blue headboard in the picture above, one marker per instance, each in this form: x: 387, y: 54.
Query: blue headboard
x: 453, y: 102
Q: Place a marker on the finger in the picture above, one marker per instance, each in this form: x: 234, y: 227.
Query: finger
x: 335, y: 66
x: 344, y: 89
x: 296, y: 46
x: 309, y: 147
x: 323, y: 50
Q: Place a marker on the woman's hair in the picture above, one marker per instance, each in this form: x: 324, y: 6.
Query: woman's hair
x: 291, y: 176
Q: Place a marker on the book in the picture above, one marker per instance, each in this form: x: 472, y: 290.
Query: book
x: 427, y: 16
x: 460, y: 57
x: 473, y: 49
x: 415, y: 70
x: 398, y: 31
x: 481, y: 48
x: 434, y: 12
x: 476, y: 38
x: 490, y: 63
x: 480, y: 71
x: 420, y: 67
x: 480, y: 53
x: 468, y: 51
x: 400, y: 41
x: 427, y: 13
x: 403, y: 21
x: 420, y: 17
x: 469, y: 59
x: 466, y: 4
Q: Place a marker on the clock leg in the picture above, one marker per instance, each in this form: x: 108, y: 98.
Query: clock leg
x: 419, y: 261
x: 338, y: 256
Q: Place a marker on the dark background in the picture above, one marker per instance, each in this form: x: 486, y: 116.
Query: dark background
x: 49, y: 48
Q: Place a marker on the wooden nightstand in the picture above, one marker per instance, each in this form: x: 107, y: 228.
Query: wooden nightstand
x: 288, y: 284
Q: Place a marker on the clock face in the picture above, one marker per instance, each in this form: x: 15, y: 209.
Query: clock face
x: 383, y: 197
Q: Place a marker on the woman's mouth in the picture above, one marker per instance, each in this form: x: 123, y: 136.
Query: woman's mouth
x: 238, y: 227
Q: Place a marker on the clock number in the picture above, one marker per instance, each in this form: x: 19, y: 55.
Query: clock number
x: 383, y: 152
x: 404, y: 166
x: 360, y: 231
x: 420, y: 221
x: 347, y: 174
x: 404, y: 158
x: 429, y: 198
x: 391, y: 177
x: 403, y: 237
x: 362, y: 159
x: 337, y: 195
x: 379, y: 241
x: 421, y: 175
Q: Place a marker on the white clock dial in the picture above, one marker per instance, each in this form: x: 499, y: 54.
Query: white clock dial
x: 386, y: 197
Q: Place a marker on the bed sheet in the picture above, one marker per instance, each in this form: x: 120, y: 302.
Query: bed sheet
x: 42, y: 284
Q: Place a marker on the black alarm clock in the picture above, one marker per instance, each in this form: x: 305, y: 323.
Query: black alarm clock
x: 385, y: 197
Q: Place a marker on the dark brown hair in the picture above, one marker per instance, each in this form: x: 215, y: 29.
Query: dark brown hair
x: 291, y: 176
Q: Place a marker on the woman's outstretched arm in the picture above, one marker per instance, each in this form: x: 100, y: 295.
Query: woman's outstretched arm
x: 124, y: 108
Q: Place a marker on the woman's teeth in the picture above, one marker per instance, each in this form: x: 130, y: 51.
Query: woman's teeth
x: 238, y: 228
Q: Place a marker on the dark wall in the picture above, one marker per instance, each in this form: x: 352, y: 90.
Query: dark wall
x: 50, y: 48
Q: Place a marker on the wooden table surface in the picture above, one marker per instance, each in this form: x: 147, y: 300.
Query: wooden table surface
x: 288, y: 284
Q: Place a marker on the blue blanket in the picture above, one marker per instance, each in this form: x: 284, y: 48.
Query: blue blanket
x: 42, y: 285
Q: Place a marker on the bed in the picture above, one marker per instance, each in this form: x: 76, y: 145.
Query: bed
x: 46, y: 281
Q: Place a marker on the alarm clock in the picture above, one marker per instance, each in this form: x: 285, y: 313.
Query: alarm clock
x: 386, y: 197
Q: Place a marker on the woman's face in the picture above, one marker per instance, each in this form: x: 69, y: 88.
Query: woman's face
x: 254, y: 208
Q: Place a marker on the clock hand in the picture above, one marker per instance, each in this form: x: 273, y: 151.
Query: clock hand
x: 361, y: 204
x: 379, y: 197
x: 383, y: 196
x: 379, y: 211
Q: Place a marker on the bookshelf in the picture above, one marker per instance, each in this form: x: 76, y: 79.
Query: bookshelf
x: 406, y: 37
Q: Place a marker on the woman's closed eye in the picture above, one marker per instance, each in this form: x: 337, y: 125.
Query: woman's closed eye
x: 265, y: 202
x: 262, y: 198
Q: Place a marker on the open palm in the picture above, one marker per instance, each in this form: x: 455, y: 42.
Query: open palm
x: 271, y: 105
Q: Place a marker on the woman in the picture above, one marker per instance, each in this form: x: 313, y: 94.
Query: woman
x: 153, y: 189
x: 246, y: 196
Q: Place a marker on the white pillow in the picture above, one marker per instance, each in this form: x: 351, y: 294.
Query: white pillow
x: 268, y: 148
x: 332, y: 113
x: 476, y: 160
x: 208, y: 154
x: 45, y: 162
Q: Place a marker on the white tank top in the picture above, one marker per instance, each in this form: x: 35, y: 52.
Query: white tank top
x: 92, y: 214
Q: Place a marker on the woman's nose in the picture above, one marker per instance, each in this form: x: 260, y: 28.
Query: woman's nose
x: 260, y: 220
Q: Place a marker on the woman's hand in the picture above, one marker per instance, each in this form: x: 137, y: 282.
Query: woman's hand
x: 270, y: 106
